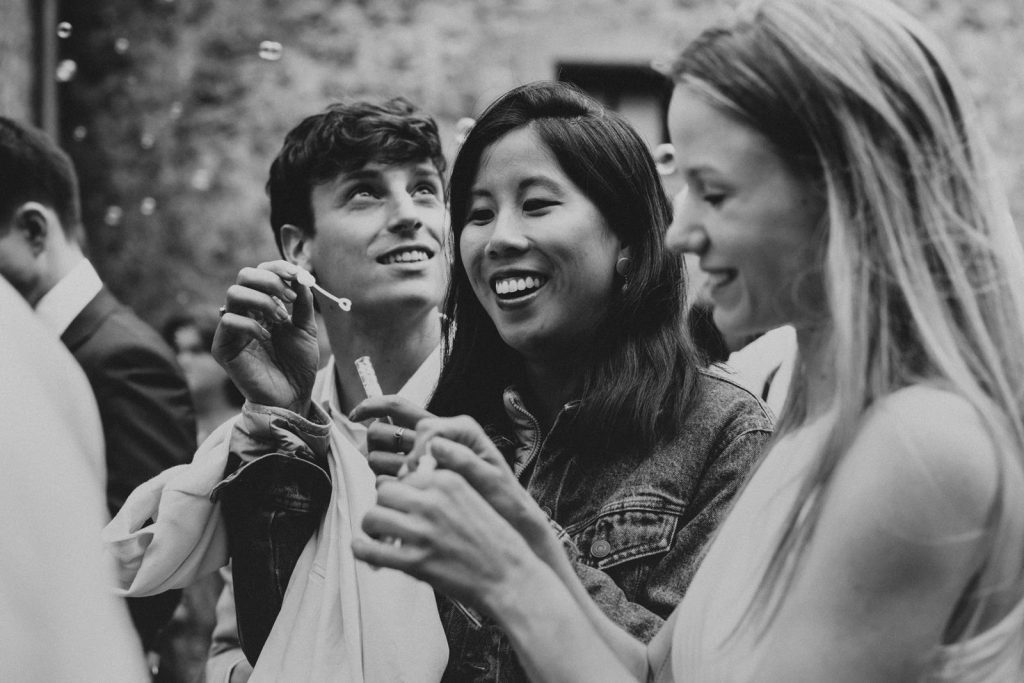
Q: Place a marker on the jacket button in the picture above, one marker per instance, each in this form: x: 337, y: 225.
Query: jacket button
x: 600, y: 549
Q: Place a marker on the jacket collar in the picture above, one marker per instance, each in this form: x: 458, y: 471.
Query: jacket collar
x: 88, y: 321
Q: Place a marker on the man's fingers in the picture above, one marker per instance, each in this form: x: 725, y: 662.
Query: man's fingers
x: 384, y: 436
x: 272, y: 278
x: 385, y: 463
x: 255, y: 303
x: 233, y: 334
x: 303, y: 312
x: 402, y: 412
x: 288, y: 288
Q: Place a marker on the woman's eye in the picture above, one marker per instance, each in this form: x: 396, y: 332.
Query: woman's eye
x: 425, y: 189
x: 714, y: 199
x: 479, y: 216
x: 535, y: 205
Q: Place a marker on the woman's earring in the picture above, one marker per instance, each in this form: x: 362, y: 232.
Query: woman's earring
x: 620, y: 267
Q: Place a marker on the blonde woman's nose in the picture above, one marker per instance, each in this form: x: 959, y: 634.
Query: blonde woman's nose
x: 684, y: 234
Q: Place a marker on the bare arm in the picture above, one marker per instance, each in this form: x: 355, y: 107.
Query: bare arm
x: 900, y: 537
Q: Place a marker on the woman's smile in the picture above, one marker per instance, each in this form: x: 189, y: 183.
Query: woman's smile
x: 539, y: 254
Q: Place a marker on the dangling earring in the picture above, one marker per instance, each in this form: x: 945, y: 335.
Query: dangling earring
x: 620, y: 267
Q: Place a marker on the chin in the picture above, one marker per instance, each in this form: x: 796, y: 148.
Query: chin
x: 734, y: 327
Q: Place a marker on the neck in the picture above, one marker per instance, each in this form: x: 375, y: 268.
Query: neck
x: 816, y: 362
x: 551, y: 384
x: 397, y: 342
x: 61, y: 257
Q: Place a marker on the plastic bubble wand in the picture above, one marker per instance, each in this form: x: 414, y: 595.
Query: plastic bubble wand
x: 306, y: 279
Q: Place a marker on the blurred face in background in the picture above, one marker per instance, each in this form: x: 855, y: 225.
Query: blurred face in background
x: 202, y: 373
x: 752, y: 223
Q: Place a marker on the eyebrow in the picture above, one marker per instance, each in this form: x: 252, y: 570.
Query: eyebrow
x: 699, y: 168
x: 543, y: 181
x: 524, y: 185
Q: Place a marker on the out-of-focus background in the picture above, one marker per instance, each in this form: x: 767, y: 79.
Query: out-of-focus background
x: 173, y: 109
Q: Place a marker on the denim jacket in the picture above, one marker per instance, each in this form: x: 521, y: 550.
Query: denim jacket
x: 634, y: 525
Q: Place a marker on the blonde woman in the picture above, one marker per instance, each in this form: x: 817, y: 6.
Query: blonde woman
x: 835, y: 183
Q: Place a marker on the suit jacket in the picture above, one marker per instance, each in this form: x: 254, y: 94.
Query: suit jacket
x: 146, y: 411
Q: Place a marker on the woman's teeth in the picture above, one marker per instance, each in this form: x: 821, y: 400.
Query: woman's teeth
x: 512, y: 286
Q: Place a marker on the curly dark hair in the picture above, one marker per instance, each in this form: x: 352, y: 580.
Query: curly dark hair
x: 345, y: 137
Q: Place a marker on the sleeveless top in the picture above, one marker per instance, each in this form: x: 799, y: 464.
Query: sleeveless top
x: 700, y: 641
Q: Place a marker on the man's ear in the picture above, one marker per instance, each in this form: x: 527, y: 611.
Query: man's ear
x: 33, y: 222
x: 296, y: 245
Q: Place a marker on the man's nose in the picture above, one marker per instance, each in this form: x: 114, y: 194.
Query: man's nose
x: 404, y: 214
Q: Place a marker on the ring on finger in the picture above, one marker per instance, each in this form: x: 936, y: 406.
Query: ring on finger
x: 222, y: 310
x: 399, y: 437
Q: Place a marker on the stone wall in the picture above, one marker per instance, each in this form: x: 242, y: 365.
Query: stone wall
x: 174, y: 115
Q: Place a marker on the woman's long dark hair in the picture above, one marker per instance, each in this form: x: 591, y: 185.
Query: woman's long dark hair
x: 638, y: 375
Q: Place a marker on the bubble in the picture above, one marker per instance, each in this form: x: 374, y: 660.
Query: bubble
x: 202, y: 179
x: 113, y: 216
x: 270, y: 50
x: 462, y: 128
x: 121, y: 45
x: 665, y: 158
x: 79, y: 133
x: 63, y: 29
x: 66, y: 70
x: 147, y: 206
x: 147, y: 140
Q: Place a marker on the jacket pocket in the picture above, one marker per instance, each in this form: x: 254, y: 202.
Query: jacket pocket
x: 628, y: 529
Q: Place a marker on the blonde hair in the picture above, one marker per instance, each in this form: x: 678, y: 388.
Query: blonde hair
x: 923, y: 266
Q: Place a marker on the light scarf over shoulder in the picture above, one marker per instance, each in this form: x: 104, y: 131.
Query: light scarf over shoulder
x: 341, y: 620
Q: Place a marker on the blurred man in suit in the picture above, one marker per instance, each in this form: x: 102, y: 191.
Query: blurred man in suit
x: 147, y: 416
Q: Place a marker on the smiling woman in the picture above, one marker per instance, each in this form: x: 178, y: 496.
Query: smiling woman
x: 568, y: 347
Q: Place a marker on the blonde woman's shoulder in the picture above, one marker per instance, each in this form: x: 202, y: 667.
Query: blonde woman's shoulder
x: 931, y: 460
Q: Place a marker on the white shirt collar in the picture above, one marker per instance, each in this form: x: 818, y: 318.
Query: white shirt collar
x: 62, y: 304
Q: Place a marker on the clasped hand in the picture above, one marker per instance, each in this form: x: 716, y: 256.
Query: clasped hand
x: 466, y: 527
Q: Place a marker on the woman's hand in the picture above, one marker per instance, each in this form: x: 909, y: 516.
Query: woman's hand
x: 449, y: 537
x: 391, y: 437
x: 271, y: 356
x: 461, y: 445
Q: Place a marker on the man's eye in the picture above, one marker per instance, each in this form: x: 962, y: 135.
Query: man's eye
x: 362, y: 192
x: 425, y: 189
